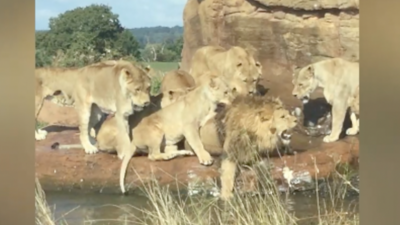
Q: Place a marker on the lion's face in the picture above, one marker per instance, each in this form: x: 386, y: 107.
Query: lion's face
x: 246, y: 76
x: 137, y: 86
x: 304, y: 84
x: 221, y: 92
x: 246, y: 71
x: 284, y: 122
x: 277, y: 121
x: 172, y: 96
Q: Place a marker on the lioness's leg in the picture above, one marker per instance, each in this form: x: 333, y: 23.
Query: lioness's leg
x: 338, y: 114
x: 355, y: 125
x: 171, y: 152
x: 173, y: 149
x: 193, y: 138
x: 39, y: 99
x: 84, y: 112
x: 228, y: 172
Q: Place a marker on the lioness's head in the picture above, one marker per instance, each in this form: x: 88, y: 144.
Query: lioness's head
x: 278, y: 121
x: 135, y: 83
x: 304, y: 83
x: 246, y: 71
x: 172, y: 96
x: 219, y: 91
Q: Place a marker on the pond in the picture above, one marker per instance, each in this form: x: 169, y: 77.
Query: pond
x: 75, y: 208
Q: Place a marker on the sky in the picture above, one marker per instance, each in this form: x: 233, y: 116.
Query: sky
x: 132, y: 13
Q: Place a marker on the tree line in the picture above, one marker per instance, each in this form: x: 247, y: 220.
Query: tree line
x: 94, y: 33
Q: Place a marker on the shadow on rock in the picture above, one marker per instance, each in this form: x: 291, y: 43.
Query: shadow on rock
x: 262, y: 90
x: 317, y: 118
x: 58, y: 128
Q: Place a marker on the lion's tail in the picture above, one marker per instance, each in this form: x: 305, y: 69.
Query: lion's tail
x: 126, y: 158
x: 57, y: 145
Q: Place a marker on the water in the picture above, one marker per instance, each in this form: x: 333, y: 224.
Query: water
x: 75, y: 208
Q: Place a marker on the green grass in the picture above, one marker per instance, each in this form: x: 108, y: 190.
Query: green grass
x: 163, y: 66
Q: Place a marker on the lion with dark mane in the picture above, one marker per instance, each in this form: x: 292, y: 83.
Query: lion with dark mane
x: 249, y: 127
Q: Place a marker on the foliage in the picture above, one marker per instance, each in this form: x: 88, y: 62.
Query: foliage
x: 168, y: 51
x: 159, y: 34
x: 84, y: 35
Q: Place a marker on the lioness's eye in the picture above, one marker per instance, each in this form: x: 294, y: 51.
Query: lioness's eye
x: 137, y: 89
x: 283, y: 116
x: 300, y: 85
x: 225, y: 92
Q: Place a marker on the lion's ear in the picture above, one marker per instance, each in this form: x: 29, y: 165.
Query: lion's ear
x: 188, y: 89
x: 125, y: 74
x: 263, y: 117
x: 147, y: 69
x: 310, y: 69
x: 212, y: 83
x: 171, y: 94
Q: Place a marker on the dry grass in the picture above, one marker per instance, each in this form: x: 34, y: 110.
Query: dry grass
x: 43, y: 212
x: 264, y: 206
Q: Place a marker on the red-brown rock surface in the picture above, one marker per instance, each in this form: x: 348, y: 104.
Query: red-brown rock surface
x: 74, y: 170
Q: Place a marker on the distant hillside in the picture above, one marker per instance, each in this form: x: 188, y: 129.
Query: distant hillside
x: 156, y: 34
x: 152, y: 34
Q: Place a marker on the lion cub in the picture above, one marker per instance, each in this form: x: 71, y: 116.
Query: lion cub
x: 181, y: 119
x: 250, y: 126
x: 340, y: 80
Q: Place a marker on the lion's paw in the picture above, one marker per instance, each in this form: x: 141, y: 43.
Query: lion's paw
x: 226, y: 195
x: 352, y: 131
x: 91, y: 149
x: 121, y: 156
x: 186, y: 152
x: 40, y: 134
x: 206, y: 159
x: 329, y: 138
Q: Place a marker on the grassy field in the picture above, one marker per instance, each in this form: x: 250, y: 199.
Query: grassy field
x: 163, y: 66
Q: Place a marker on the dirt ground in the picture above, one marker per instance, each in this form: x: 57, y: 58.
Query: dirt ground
x: 74, y: 170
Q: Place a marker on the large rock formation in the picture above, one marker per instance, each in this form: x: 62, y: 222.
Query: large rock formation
x: 283, y: 32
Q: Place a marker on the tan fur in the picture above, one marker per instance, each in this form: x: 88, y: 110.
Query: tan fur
x: 108, y: 133
x: 239, y: 68
x: 340, y: 80
x: 235, y: 64
x: 249, y: 127
x: 57, y: 84
x: 181, y: 119
x: 117, y: 88
x: 355, y: 112
x: 175, y: 80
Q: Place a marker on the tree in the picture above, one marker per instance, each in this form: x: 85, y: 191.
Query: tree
x: 87, y: 34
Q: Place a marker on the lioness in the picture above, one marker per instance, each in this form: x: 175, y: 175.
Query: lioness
x: 109, y: 135
x: 181, y: 119
x: 176, y: 79
x: 58, y: 84
x: 250, y: 126
x: 340, y: 80
x: 235, y: 64
x: 118, y: 89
